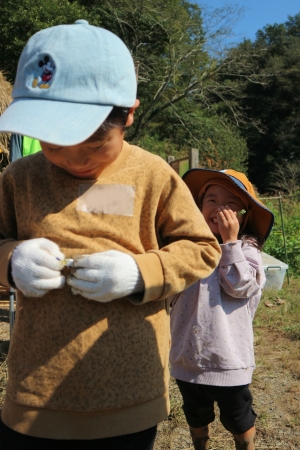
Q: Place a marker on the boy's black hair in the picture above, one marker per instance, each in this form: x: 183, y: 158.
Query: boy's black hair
x: 116, y: 119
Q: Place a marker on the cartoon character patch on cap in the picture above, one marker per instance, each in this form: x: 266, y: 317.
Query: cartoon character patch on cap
x: 43, y: 81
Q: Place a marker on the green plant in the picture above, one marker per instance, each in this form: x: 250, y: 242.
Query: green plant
x: 275, y: 243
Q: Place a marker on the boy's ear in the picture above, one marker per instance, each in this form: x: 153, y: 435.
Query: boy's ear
x: 130, y: 117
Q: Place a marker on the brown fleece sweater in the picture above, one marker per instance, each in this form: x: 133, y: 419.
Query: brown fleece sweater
x: 80, y: 369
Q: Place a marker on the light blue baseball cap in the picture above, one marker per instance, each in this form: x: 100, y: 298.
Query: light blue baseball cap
x: 68, y: 80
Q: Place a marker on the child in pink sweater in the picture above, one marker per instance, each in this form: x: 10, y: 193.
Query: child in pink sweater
x: 212, y: 355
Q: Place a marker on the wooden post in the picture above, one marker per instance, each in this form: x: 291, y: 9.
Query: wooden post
x: 170, y: 159
x: 194, y: 158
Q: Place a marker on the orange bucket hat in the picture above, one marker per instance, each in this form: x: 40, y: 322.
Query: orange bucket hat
x: 259, y: 219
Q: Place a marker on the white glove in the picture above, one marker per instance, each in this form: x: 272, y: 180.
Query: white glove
x: 36, y: 267
x: 105, y: 276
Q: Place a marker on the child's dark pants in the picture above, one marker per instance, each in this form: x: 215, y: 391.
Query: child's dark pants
x: 235, y: 404
x: 11, y: 440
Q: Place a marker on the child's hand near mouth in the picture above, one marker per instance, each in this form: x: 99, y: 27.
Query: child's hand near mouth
x: 229, y: 224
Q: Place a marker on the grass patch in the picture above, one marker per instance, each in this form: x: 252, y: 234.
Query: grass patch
x: 284, y: 315
x: 3, y: 370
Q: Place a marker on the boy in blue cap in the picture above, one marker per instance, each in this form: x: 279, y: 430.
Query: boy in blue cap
x: 88, y: 360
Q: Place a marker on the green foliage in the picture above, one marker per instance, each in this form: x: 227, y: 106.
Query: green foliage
x: 20, y: 19
x: 275, y: 243
x: 166, y: 40
x: 163, y: 148
x: 178, y: 129
x: 221, y: 145
x: 276, y: 104
x: 177, y: 76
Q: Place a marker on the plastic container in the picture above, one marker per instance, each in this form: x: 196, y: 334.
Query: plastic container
x: 275, y: 271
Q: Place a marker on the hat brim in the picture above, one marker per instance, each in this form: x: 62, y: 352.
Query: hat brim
x: 261, y: 219
x: 55, y: 122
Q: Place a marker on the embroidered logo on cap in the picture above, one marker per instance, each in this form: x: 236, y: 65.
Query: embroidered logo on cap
x: 43, y: 81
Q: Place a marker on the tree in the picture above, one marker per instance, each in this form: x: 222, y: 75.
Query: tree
x: 20, y: 19
x: 179, y: 56
x: 285, y: 177
x: 276, y: 104
x: 185, y: 125
x: 189, y: 84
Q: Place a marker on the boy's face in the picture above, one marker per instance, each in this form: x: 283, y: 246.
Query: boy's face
x: 215, y: 197
x: 88, y: 159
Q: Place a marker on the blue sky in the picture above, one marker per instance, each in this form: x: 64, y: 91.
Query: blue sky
x: 257, y: 14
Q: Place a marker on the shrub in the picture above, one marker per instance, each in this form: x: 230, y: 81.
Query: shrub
x: 275, y: 244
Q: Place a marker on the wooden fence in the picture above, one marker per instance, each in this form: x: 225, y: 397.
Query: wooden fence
x: 183, y: 164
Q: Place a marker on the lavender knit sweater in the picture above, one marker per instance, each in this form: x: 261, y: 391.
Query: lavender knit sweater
x: 211, y: 321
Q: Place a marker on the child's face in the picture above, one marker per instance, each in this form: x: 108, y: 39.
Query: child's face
x: 88, y: 159
x: 215, y: 197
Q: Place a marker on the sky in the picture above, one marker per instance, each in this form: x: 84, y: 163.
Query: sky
x: 256, y: 14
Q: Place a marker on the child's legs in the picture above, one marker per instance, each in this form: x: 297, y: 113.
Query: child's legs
x: 198, y: 408
x: 245, y: 441
x: 198, y: 405
x: 11, y: 440
x: 235, y: 404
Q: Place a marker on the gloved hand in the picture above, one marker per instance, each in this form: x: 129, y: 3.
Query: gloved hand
x: 36, y: 268
x: 105, y: 276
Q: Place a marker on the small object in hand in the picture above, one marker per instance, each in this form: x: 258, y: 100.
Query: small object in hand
x: 68, y: 262
x: 241, y: 213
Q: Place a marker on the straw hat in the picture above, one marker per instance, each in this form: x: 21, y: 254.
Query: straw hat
x: 258, y: 220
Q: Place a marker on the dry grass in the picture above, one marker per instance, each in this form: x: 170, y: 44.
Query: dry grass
x: 3, y: 370
x: 5, y: 99
x: 5, y: 92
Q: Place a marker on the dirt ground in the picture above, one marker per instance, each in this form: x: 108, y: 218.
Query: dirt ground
x: 275, y: 388
x: 276, y: 393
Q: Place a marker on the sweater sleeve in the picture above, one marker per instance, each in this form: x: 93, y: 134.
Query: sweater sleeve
x: 188, y: 250
x: 241, y: 273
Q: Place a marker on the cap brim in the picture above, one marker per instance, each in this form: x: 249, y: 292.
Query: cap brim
x: 59, y: 123
x: 195, y: 179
